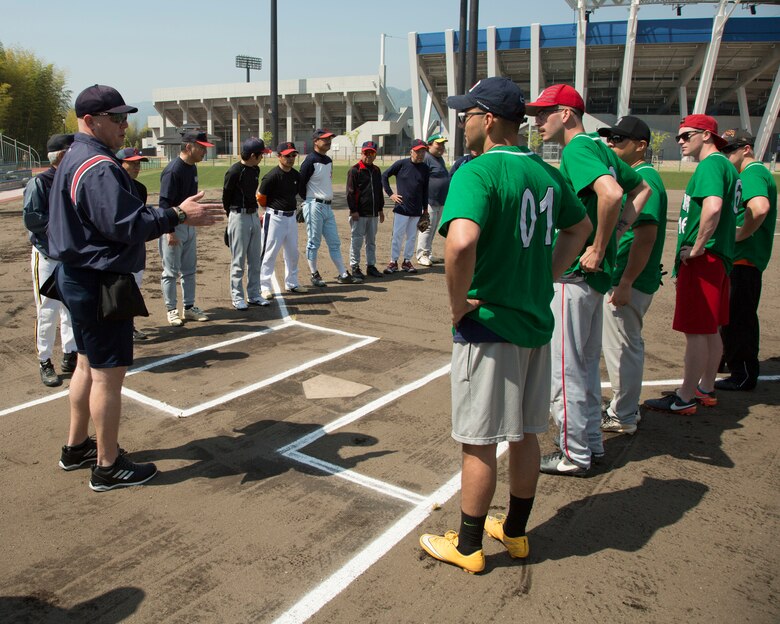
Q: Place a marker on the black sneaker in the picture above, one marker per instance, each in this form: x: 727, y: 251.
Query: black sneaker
x: 49, y: 376
x: 316, y: 280
x: 349, y: 279
x: 373, y: 271
x: 356, y: 272
x: 69, y: 362
x: 73, y: 457
x: 123, y: 473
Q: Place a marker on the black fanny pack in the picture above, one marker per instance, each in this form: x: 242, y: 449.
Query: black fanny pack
x: 120, y: 298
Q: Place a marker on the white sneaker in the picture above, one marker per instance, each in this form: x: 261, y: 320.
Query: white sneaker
x: 240, y: 305
x: 258, y: 301
x: 424, y: 261
x: 267, y: 295
x: 612, y: 423
x: 174, y: 318
x: 195, y: 314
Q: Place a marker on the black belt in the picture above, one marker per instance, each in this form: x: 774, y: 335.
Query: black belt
x: 284, y: 213
x: 327, y: 202
x: 244, y: 210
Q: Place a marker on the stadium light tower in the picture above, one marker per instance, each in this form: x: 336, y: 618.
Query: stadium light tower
x: 249, y: 62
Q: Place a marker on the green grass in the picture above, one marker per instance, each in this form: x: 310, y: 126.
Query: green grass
x: 211, y: 176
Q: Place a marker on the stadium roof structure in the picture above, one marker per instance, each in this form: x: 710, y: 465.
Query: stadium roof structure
x: 722, y: 66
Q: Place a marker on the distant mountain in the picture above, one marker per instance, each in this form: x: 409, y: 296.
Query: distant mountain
x: 400, y: 97
x: 145, y: 109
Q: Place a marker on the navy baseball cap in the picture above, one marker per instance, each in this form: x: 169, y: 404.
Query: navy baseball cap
x: 101, y: 99
x: 59, y: 142
x: 286, y: 148
x: 419, y: 144
x: 496, y: 95
x: 197, y: 136
x: 369, y: 146
x: 253, y: 145
x: 130, y: 154
x: 321, y: 133
x: 628, y: 126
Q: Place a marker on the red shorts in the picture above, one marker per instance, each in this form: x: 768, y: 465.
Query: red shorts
x: 702, y: 303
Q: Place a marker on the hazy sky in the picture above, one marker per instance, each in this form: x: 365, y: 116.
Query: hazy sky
x: 142, y: 45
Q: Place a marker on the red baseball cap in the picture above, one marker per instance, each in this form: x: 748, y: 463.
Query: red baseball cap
x: 704, y: 122
x: 419, y: 144
x: 556, y: 95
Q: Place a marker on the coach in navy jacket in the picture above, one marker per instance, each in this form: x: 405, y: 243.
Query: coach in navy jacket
x: 99, y: 226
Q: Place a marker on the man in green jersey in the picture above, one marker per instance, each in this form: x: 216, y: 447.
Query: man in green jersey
x: 635, y: 278
x: 755, y: 234
x: 600, y: 179
x: 705, y: 252
x: 498, y: 220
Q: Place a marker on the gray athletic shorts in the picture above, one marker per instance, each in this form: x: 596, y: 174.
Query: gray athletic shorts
x: 499, y: 392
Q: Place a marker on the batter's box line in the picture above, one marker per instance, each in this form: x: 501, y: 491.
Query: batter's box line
x: 185, y: 413
x: 292, y: 450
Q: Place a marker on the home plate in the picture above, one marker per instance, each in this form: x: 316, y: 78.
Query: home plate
x: 327, y: 387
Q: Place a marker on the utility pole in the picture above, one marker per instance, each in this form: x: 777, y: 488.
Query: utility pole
x: 274, y: 80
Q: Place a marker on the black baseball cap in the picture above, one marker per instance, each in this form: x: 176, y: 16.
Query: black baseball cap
x: 321, y: 133
x: 369, y: 146
x: 253, y: 145
x: 59, y: 142
x: 496, y: 95
x: 628, y: 126
x: 197, y: 136
x: 286, y: 148
x: 101, y: 99
x: 736, y: 137
x: 419, y: 144
x: 130, y: 154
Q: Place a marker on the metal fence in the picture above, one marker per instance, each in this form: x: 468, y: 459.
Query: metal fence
x: 13, y: 152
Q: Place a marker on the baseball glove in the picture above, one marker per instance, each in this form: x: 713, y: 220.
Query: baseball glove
x: 424, y: 223
x: 299, y: 214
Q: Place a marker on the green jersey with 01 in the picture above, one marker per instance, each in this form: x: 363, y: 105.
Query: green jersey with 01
x: 757, y: 248
x: 654, y: 212
x: 714, y: 177
x: 585, y: 159
x: 518, y: 201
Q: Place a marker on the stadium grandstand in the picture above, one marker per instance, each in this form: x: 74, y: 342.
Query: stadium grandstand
x: 661, y: 70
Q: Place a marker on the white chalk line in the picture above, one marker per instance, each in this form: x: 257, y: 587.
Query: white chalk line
x: 362, y: 411
x: 382, y: 487
x: 331, y: 587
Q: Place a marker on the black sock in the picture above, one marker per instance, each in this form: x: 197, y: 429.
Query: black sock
x: 516, y: 519
x: 470, y: 534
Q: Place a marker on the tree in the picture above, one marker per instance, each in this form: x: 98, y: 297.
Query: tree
x: 534, y: 140
x: 268, y: 136
x: 33, y: 97
x: 134, y: 136
x: 353, y: 137
x: 657, y: 138
x: 71, y: 122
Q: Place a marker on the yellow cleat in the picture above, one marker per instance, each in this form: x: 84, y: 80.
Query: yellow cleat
x: 445, y: 548
x: 517, y: 546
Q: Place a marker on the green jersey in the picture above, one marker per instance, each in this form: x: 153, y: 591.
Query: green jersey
x: 585, y: 159
x: 757, y: 248
x: 714, y: 177
x: 518, y: 201
x: 654, y: 212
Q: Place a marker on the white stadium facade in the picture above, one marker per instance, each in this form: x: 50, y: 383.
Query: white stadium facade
x: 661, y: 70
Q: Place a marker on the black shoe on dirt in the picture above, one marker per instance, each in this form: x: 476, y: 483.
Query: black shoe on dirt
x: 123, y: 473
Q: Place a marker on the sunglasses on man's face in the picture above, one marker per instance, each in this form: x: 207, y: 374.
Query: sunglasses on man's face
x: 616, y: 138
x: 116, y: 118
x: 686, y: 136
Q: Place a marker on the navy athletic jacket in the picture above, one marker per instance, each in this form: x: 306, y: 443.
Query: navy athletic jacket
x: 96, y: 219
x: 364, y: 190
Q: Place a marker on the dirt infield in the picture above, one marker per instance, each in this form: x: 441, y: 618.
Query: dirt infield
x: 285, y: 494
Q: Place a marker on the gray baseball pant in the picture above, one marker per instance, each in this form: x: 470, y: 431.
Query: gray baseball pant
x: 576, y: 386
